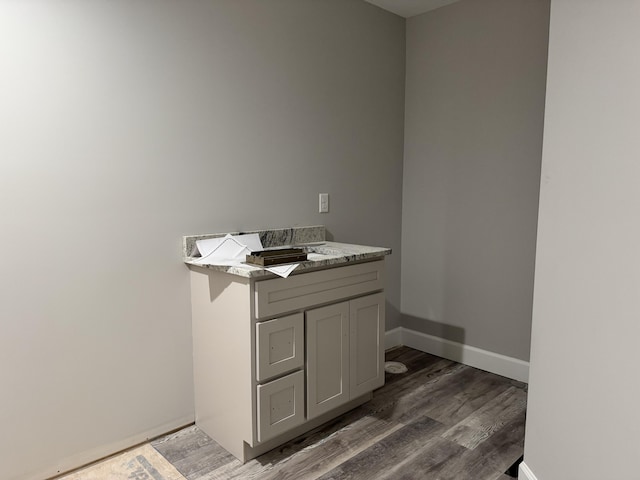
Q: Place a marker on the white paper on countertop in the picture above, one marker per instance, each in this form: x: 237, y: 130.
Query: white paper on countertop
x: 282, y: 270
x: 227, y: 250
x: 232, y: 250
x: 209, y: 245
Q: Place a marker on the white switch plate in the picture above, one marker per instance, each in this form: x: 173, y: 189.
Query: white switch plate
x: 324, y: 203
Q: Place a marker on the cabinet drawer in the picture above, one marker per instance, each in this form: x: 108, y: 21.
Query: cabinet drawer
x: 279, y: 346
x: 280, y: 405
x: 280, y: 295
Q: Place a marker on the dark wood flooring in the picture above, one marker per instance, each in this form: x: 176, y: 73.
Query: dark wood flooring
x: 438, y: 421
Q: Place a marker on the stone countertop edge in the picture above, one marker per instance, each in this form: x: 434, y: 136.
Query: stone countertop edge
x: 336, y: 254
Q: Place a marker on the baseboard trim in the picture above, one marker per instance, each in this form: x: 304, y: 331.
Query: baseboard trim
x: 393, y: 338
x: 525, y: 473
x: 85, y: 458
x: 474, y: 357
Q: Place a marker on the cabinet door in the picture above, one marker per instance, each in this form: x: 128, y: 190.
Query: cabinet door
x: 366, y: 344
x: 327, y: 358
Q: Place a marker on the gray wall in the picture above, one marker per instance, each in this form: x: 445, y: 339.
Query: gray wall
x: 126, y: 125
x: 582, y: 419
x: 473, y: 134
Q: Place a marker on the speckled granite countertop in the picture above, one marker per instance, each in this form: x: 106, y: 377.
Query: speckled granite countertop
x: 320, y: 253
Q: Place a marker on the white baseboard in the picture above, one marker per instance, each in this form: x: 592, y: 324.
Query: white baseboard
x: 91, y: 455
x: 525, y: 473
x: 393, y: 338
x: 474, y: 357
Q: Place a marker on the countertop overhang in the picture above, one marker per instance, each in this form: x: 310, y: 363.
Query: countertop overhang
x: 320, y: 253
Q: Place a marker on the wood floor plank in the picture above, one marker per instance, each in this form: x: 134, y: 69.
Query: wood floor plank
x: 481, y: 424
x: 393, y: 401
x: 318, y: 453
x: 198, y: 464
x: 414, y: 360
x: 448, y: 398
x: 181, y: 443
x: 425, y: 463
x: 192, y: 452
x: 450, y: 406
x: 391, y: 451
x: 432, y: 371
x: 492, y: 457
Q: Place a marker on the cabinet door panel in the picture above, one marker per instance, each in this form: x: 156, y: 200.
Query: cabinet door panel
x: 327, y: 358
x: 366, y: 344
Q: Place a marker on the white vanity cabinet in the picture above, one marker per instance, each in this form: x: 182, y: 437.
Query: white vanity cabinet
x: 276, y: 357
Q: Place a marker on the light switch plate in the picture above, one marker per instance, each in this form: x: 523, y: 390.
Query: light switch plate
x: 324, y: 203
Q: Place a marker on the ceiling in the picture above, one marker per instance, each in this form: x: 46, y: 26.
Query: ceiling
x: 410, y: 8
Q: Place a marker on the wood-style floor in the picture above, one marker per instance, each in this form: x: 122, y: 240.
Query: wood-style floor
x: 438, y: 421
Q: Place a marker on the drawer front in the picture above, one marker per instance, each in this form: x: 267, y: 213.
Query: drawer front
x: 279, y: 346
x: 280, y: 405
x: 280, y: 295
